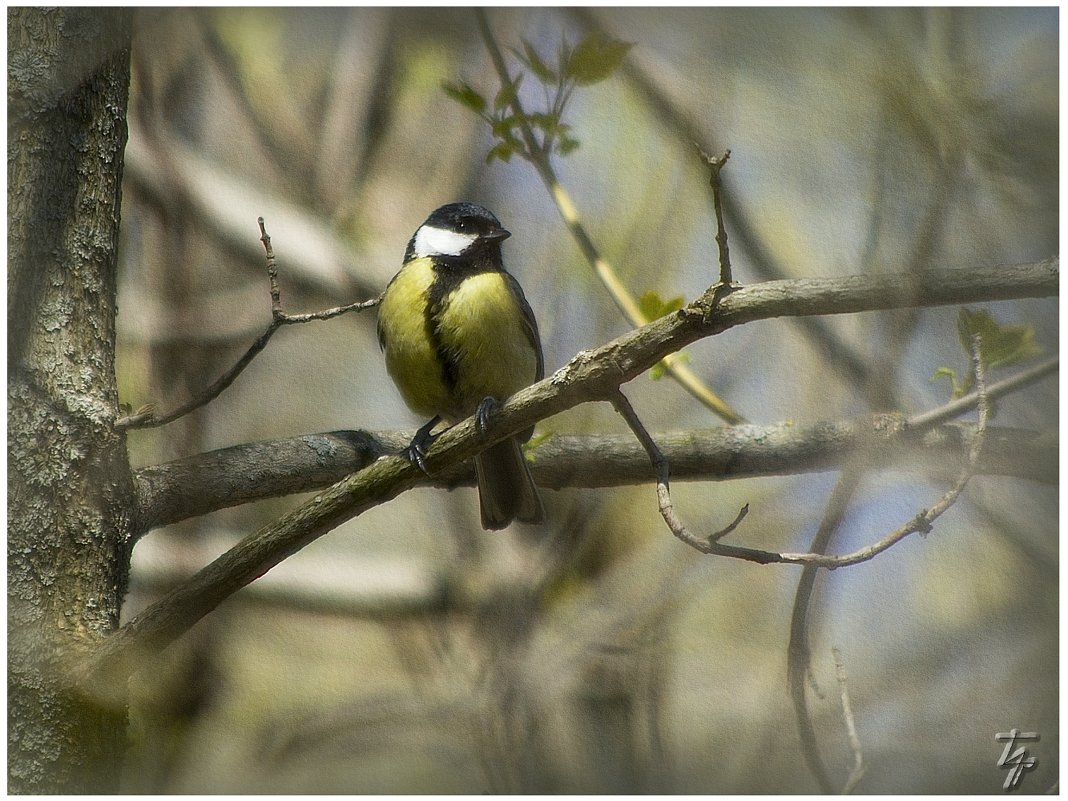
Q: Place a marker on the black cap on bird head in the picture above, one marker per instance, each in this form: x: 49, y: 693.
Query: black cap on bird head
x: 455, y: 228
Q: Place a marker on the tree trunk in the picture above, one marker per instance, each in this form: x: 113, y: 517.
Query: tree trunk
x: 69, y: 486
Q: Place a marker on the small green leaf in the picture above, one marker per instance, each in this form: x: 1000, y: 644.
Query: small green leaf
x: 534, y: 62
x: 948, y: 374
x: 536, y: 441
x: 1001, y: 345
x: 507, y: 94
x: 659, y: 370
x: 547, y: 122
x: 596, y: 58
x: 502, y: 127
x: 502, y: 150
x: 654, y: 307
x: 567, y: 145
x: 463, y: 94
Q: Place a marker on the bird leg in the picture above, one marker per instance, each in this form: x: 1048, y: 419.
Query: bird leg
x: 421, y: 442
x: 486, y: 409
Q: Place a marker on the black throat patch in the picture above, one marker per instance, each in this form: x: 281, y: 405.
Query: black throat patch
x: 449, y: 273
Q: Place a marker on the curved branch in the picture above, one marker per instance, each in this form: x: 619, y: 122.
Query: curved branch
x: 662, y: 466
x: 591, y: 375
x: 921, y: 523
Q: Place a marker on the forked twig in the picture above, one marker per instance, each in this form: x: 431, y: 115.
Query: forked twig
x: 147, y: 418
x: 663, y: 493
x: 921, y: 523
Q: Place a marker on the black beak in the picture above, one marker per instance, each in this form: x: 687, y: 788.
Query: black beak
x: 497, y: 235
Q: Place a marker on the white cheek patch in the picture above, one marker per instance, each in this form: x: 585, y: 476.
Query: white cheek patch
x: 430, y: 241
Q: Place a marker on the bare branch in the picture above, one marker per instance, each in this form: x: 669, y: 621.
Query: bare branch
x: 253, y: 471
x: 206, y: 482
x: 328, y: 314
x: 716, y: 164
x: 149, y: 419
x: 921, y: 523
x: 272, y: 271
x: 663, y: 493
x: 857, y: 293
x: 859, y: 768
x: 276, y: 297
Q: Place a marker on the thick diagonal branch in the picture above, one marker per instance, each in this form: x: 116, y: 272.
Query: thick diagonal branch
x: 591, y: 375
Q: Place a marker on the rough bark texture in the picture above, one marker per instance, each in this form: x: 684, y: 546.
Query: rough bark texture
x: 69, y: 486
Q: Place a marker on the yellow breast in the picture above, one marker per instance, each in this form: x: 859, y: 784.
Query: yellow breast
x: 411, y: 358
x: 477, y: 346
x: 482, y: 326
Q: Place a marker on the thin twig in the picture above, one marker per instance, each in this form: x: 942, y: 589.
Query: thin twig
x: 327, y: 314
x: 857, y: 773
x: 272, y: 271
x: 149, y: 419
x: 276, y: 295
x: 798, y: 654
x: 663, y: 493
x: 993, y: 392
x: 716, y: 164
x: 921, y: 523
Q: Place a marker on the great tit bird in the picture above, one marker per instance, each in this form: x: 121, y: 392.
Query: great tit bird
x: 459, y: 337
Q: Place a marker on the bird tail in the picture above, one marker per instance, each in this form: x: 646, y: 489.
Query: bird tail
x: 506, y: 492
